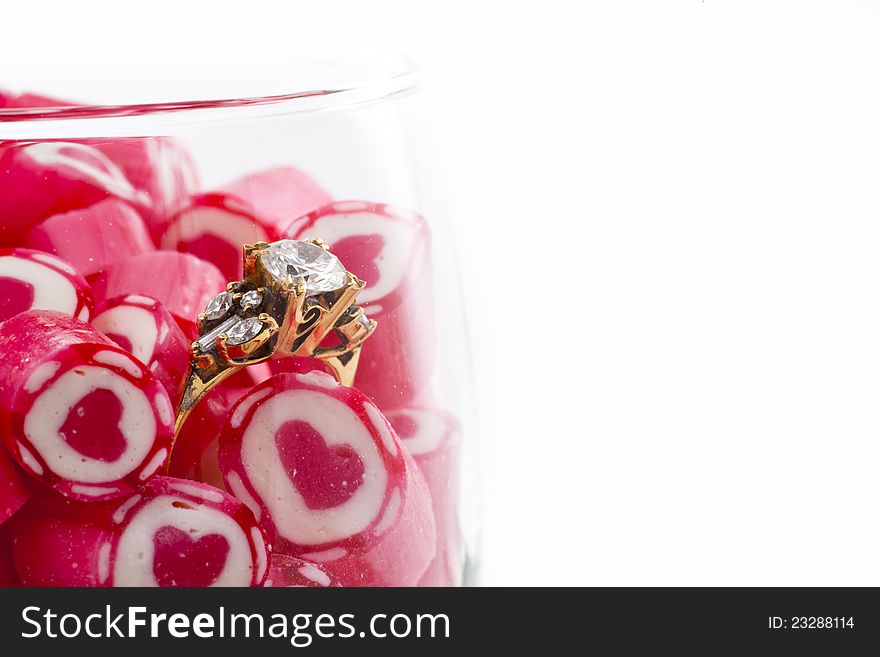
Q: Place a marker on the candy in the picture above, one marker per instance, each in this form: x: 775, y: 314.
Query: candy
x: 183, y: 283
x: 41, y: 179
x: 172, y: 532
x: 142, y: 326
x: 158, y: 166
x: 432, y: 437
x: 389, y: 248
x: 13, y: 491
x: 287, y: 571
x: 36, y: 280
x: 324, y: 471
x: 252, y: 209
x: 77, y: 412
x: 60, y: 542
x: 93, y: 238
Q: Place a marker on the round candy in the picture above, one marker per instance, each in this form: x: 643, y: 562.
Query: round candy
x: 45, y: 178
x: 172, y: 532
x: 36, y: 280
x: 93, y: 238
x: 160, y: 168
x: 143, y: 327
x: 323, y: 470
x: 77, y: 412
x: 252, y: 209
x: 433, y: 437
x: 183, y: 283
x: 390, y: 249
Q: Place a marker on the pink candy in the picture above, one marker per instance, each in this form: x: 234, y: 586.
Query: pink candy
x: 390, y: 249
x: 143, y: 327
x: 172, y: 532
x: 252, y: 209
x: 93, y: 238
x: 323, y: 470
x: 433, y: 438
x: 158, y: 167
x: 41, y: 179
x: 36, y: 280
x: 183, y: 283
x: 78, y: 413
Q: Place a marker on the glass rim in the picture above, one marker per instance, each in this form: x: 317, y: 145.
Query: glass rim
x: 384, y: 74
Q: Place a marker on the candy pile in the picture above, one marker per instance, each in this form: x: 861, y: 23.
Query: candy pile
x: 109, y: 249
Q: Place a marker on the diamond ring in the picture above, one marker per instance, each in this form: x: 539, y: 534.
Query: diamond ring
x: 295, y: 299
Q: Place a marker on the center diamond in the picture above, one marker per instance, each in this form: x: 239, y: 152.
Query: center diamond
x: 321, y: 271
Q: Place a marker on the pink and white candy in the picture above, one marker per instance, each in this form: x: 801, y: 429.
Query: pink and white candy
x: 143, y: 327
x: 172, y: 532
x: 160, y: 168
x: 323, y: 470
x: 32, y: 279
x: 77, y: 412
x: 93, y: 238
x: 183, y: 283
x: 254, y: 208
x: 390, y: 249
x: 433, y: 437
x: 45, y: 178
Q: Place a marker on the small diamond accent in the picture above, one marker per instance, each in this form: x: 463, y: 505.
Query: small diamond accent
x: 244, y: 330
x: 321, y: 271
x: 218, y: 306
x: 251, y: 299
x: 208, y: 340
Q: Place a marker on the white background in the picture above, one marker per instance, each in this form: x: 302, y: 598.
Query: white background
x: 679, y: 381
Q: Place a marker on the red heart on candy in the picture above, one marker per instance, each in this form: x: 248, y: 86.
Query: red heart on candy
x: 15, y: 297
x: 325, y: 476
x: 92, y: 426
x: 181, y: 560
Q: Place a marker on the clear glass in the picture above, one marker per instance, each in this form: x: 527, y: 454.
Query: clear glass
x: 144, y: 189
